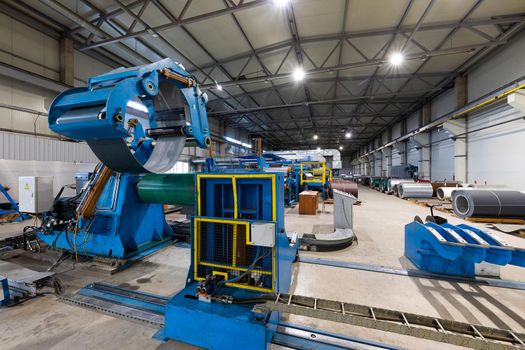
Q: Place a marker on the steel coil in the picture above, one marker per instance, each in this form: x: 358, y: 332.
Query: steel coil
x: 445, y: 193
x: 393, y: 182
x: 415, y: 190
x: 438, y: 184
x: 346, y: 186
x: 484, y: 203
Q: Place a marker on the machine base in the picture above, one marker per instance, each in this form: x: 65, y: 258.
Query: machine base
x: 216, y: 325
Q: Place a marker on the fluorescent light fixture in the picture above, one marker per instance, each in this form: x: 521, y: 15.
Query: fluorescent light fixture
x: 397, y: 58
x: 237, y: 142
x: 218, y: 86
x: 281, y: 3
x: 348, y: 135
x: 340, y: 148
x: 298, y: 74
x: 316, y: 137
x: 138, y: 106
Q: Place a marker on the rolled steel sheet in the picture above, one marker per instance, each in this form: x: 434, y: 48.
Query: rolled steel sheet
x: 346, y: 186
x: 445, y: 193
x: 438, y: 184
x: 114, y: 153
x: 393, y: 182
x: 415, y: 190
x: 485, y: 203
x: 178, y: 189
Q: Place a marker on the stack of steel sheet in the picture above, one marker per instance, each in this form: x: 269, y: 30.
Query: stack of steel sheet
x: 491, y: 204
x: 415, y: 190
x: 346, y: 186
x: 393, y: 182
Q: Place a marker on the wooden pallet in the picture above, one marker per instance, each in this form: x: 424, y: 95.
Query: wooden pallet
x: 496, y: 220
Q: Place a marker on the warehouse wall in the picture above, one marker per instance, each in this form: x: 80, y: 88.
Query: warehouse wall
x: 493, y: 153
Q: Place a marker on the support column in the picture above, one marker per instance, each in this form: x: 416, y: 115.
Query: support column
x: 370, y: 166
x: 422, y: 141
x: 378, y: 164
x: 458, y: 128
x: 67, y: 61
x: 387, y: 153
x: 402, y: 150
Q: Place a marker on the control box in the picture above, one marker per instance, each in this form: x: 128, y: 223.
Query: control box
x: 263, y: 234
x: 35, y: 194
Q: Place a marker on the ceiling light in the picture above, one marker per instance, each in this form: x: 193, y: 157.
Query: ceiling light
x: 218, y: 86
x: 340, y: 148
x: 316, y: 137
x: 318, y: 148
x: 298, y: 74
x: 397, y: 58
x: 348, y: 135
x: 281, y: 3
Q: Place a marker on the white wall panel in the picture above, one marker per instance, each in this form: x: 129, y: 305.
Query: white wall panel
x: 396, y: 130
x: 413, y: 121
x: 28, y: 147
x: 443, y: 104
x: 441, y: 155
x: 505, y: 66
x: 495, y: 154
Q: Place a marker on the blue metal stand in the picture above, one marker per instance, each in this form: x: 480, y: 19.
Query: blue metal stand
x: 454, y: 250
x: 14, y: 207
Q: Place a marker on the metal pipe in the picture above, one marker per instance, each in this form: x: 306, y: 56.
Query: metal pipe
x: 485, y: 203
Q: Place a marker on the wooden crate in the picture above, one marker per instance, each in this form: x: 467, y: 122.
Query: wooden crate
x: 308, y: 202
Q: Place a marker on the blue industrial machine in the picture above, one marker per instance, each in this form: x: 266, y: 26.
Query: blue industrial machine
x: 10, y: 211
x: 136, y: 120
x: 240, y: 253
x: 456, y: 249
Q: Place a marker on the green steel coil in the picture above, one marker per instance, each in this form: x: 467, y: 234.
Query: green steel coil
x: 178, y: 189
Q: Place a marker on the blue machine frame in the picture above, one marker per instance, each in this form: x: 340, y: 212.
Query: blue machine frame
x: 456, y: 249
x: 122, y: 227
x: 232, y: 199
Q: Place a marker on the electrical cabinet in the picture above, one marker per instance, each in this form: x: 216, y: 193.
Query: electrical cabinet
x: 35, y: 194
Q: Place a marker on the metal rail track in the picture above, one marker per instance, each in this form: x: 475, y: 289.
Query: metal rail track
x: 431, y: 328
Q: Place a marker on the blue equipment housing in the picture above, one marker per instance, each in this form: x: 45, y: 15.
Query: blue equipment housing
x: 230, y: 208
x: 136, y: 120
x: 456, y: 249
x: 122, y: 228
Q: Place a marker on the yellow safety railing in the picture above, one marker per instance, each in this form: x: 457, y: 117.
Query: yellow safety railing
x: 318, y: 171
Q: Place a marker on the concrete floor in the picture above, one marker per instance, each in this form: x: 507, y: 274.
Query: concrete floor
x: 45, y: 323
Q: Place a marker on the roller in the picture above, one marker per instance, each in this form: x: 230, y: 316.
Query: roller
x: 415, y: 190
x: 393, y: 182
x: 345, y: 186
x: 484, y: 203
x: 178, y: 189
